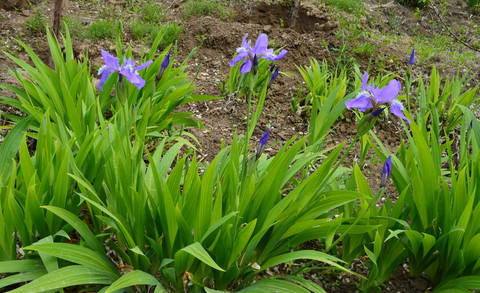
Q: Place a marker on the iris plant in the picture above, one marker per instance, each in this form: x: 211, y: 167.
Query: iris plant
x: 127, y: 69
x: 374, y: 97
x: 251, y: 53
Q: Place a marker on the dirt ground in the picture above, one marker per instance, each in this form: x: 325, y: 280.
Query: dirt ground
x: 318, y: 33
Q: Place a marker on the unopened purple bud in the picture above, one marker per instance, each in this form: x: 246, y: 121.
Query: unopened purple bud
x: 377, y: 112
x: 411, y: 61
x: 387, y: 171
x: 272, y: 68
x: 273, y: 77
x: 166, y: 61
x: 163, y: 66
x: 255, y: 64
x: 262, y: 144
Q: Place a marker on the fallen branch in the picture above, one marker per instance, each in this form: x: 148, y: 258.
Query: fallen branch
x: 450, y: 32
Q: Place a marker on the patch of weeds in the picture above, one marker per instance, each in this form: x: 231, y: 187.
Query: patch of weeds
x: 170, y: 32
x: 36, y: 22
x: 147, y: 31
x: 139, y: 29
x: 216, y: 9
x: 101, y: 29
x: 349, y: 6
x: 415, y: 3
x: 150, y: 12
x: 75, y: 27
x: 365, y: 49
x: 474, y: 6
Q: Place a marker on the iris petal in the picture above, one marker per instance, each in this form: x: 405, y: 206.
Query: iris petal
x: 388, y: 93
x: 362, y: 102
x: 261, y: 44
x: 144, y: 65
x: 240, y: 56
x: 281, y: 55
x: 364, y: 81
x: 246, y: 66
x: 396, y: 108
x: 110, y: 60
x: 245, y: 43
x: 105, y: 73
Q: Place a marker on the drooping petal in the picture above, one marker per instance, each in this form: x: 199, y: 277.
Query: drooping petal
x: 110, y: 60
x: 273, y: 57
x: 240, y: 56
x: 144, y: 65
x: 362, y: 102
x: 261, y: 44
x: 105, y: 72
x: 134, y: 78
x: 246, y: 66
x: 364, y: 81
x: 397, y: 109
x: 388, y: 93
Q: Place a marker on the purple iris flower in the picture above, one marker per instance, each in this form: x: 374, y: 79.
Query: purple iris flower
x: 411, y: 61
x: 127, y: 69
x: 260, y: 50
x: 262, y: 144
x: 373, y: 97
x: 387, y: 170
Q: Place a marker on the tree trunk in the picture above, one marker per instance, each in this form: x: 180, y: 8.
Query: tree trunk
x: 295, y: 13
x: 57, y: 18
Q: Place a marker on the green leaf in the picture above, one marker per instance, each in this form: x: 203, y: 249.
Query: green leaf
x: 18, y: 266
x: 461, y: 283
x: 302, y: 254
x: 66, y: 277
x: 197, y: 250
x: 310, y: 285
x: 20, y: 278
x: 79, y: 226
x: 133, y: 278
x: 10, y: 145
x: 275, y: 285
x: 74, y: 253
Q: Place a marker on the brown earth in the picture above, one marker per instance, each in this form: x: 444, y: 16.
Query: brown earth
x: 319, y: 33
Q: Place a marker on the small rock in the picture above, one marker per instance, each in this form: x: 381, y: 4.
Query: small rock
x: 420, y: 284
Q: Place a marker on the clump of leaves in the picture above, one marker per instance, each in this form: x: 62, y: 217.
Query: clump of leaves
x: 415, y: 3
x: 474, y: 6
x: 349, y: 6
x: 101, y: 29
x: 170, y: 32
x: 36, y: 22
x: 148, y: 31
x: 75, y: 26
x: 216, y: 9
x: 151, y: 12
